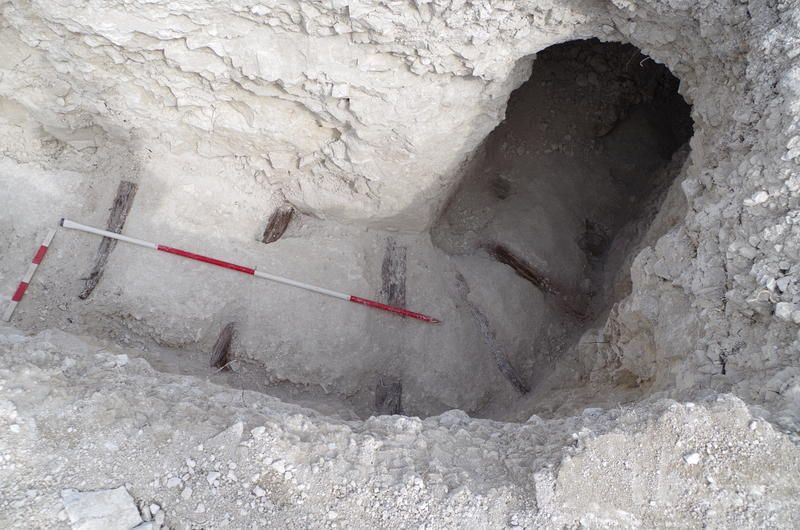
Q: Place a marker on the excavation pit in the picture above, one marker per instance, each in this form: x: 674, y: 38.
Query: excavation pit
x: 617, y: 274
x: 530, y: 252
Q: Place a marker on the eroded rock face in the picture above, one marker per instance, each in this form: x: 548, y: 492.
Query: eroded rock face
x: 355, y: 111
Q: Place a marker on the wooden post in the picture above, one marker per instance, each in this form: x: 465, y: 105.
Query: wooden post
x: 278, y: 223
x: 389, y: 392
x: 221, y: 354
x: 509, y: 372
x: 116, y: 220
x: 567, y: 301
x: 388, y: 397
x: 393, y: 274
x: 500, y: 359
x: 521, y: 267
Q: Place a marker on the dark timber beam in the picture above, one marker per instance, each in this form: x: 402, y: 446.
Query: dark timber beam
x: 389, y: 392
x: 571, y: 303
x: 278, y: 223
x: 388, y: 397
x: 221, y: 354
x: 116, y: 220
x: 500, y: 359
x: 393, y: 274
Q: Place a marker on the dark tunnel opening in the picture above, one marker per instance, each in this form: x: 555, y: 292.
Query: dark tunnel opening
x: 570, y: 186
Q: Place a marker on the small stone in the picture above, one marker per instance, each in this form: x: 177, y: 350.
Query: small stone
x: 753, y: 425
x: 692, y: 458
x: 332, y: 515
x: 120, y: 360
x: 14, y: 428
x: 748, y: 251
x: 154, y: 508
x: 212, y: 477
x: 258, y: 491
x: 112, y: 508
x: 757, y: 198
x: 173, y: 482
x: 186, y: 493
x: 201, y: 508
x: 784, y: 310
x: 758, y: 490
x: 230, y: 437
x: 191, y: 463
x: 258, y: 431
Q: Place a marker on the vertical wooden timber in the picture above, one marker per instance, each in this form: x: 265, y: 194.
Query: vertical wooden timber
x: 116, y: 220
x: 388, y: 397
x: 393, y: 274
x: 389, y: 391
x: 278, y: 223
x: 221, y: 354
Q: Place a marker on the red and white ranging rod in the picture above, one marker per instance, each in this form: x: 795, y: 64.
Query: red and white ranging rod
x: 66, y: 223
x: 26, y: 280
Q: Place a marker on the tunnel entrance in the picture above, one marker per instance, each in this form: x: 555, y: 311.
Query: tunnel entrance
x: 569, y: 187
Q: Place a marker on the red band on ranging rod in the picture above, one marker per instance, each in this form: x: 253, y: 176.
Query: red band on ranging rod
x: 393, y: 309
x: 20, y: 292
x: 37, y: 259
x: 206, y: 259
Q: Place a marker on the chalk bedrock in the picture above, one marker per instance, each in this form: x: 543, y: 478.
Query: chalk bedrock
x: 355, y: 110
